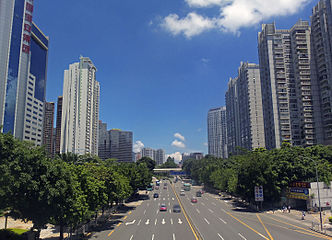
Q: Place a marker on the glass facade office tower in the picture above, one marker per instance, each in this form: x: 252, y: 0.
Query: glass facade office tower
x: 217, y: 132
x: 80, y: 109
x: 321, y: 39
x: 23, y: 65
x: 244, y: 110
x: 290, y: 100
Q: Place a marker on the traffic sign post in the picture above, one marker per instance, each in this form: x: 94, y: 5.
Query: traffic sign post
x: 259, y: 195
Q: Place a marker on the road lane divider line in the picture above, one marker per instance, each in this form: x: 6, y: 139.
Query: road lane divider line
x: 210, y: 210
x: 220, y: 236
x: 223, y: 220
x: 152, y: 237
x: 309, y: 231
x: 110, y: 233
x: 131, y: 237
x: 173, y: 236
x: 267, y: 231
x: 125, y: 217
x: 155, y: 221
x: 139, y: 222
x: 185, y: 215
x: 171, y: 221
x: 242, y: 236
x: 198, y: 211
x: 119, y: 224
x: 244, y: 224
x: 206, y: 221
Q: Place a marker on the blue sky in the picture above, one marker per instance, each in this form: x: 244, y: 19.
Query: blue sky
x: 161, y: 64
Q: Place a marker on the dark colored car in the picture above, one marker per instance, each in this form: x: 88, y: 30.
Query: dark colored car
x: 163, y: 207
x: 165, y: 187
x: 194, y: 200
x: 156, y: 195
x: 176, y: 208
x: 198, y: 194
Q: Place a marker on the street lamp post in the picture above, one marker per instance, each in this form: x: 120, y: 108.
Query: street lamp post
x: 320, y: 209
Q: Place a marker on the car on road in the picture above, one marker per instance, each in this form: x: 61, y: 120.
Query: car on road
x: 198, y: 194
x: 163, y: 207
x: 156, y: 195
x: 182, y: 193
x: 156, y: 188
x: 176, y: 208
x: 194, y: 200
x: 165, y: 187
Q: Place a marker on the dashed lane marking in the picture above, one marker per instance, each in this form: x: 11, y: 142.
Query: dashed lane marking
x: 220, y: 236
x: 242, y: 236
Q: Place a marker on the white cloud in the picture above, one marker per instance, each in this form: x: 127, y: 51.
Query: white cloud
x: 193, y: 24
x: 177, y: 156
x: 138, y: 145
x: 234, y: 15
x: 178, y: 144
x: 204, y: 3
x: 205, y: 144
x: 179, y: 136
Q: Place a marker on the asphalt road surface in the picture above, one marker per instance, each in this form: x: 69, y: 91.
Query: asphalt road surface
x: 209, y: 219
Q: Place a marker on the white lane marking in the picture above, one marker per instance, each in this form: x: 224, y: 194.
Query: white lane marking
x: 170, y: 211
x: 198, y: 211
x: 148, y: 204
x: 173, y: 236
x: 172, y: 198
x: 203, y: 203
x: 179, y: 222
x: 210, y: 210
x: 220, y: 236
x: 188, y: 198
x: 169, y: 204
x: 192, y: 204
x: 223, y: 210
x: 147, y: 222
x: 139, y: 222
x: 155, y: 221
x: 223, y: 220
x: 129, y: 223
x: 152, y: 237
x: 164, y: 199
x: 214, y: 204
x: 131, y: 237
x: 157, y: 212
x: 206, y: 221
x: 159, y: 204
x: 171, y: 221
x: 242, y: 236
x: 163, y: 221
x: 155, y: 199
x: 144, y: 211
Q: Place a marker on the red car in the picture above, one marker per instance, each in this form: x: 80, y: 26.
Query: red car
x: 194, y: 200
x: 163, y: 207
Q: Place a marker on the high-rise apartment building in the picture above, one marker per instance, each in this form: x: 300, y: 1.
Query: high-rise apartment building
x: 48, y: 127
x: 80, y: 108
x: 148, y: 152
x: 58, y: 126
x: 321, y: 39
x: 244, y: 110
x: 23, y: 67
x: 217, y: 132
x: 289, y: 97
x: 159, y: 156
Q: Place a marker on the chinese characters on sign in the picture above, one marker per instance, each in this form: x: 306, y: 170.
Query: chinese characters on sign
x: 259, y: 194
x: 298, y: 190
x: 27, y: 26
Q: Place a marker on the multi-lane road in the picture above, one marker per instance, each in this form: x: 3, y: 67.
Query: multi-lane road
x: 209, y: 219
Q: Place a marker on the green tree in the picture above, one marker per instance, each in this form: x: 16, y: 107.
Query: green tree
x: 151, y: 164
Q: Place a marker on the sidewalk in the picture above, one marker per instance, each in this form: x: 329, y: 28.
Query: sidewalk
x: 312, y: 220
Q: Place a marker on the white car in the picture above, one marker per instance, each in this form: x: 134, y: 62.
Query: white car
x: 182, y: 193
